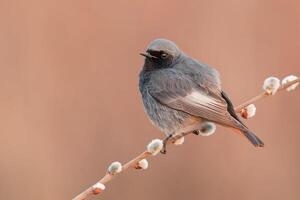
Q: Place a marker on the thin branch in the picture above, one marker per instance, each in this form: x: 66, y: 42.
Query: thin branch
x: 133, y: 163
x: 264, y: 94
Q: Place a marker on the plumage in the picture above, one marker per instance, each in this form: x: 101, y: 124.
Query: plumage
x: 177, y: 88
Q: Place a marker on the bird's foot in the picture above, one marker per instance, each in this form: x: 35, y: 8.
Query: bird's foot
x: 196, y: 132
x: 163, y: 151
x: 165, y: 142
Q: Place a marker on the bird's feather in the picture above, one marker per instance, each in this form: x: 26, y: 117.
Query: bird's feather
x: 177, y: 90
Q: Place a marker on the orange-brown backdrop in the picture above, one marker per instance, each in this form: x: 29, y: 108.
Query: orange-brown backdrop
x: 70, y: 105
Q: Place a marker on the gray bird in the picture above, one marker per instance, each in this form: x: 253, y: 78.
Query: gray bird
x: 180, y: 92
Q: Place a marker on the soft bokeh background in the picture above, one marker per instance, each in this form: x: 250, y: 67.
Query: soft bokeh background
x: 70, y: 105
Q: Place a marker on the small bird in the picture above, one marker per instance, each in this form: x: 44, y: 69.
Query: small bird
x: 179, y: 93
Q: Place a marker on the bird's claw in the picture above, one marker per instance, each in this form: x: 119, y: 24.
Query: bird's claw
x: 163, y: 151
x: 196, y: 132
x: 165, y: 141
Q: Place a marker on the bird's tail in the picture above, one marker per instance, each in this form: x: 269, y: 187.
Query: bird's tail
x: 239, y: 125
x: 252, y: 137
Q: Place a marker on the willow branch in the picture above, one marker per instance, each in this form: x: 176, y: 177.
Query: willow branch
x: 134, y: 162
x: 264, y: 94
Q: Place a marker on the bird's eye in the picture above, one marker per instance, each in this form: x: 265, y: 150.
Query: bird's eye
x: 163, y: 55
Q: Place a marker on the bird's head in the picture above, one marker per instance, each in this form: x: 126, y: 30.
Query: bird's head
x: 161, y: 53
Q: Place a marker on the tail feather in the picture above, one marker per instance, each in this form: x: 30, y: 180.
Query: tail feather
x: 252, y: 138
x: 237, y: 124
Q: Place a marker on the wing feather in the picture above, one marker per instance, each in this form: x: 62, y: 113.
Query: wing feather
x: 180, y: 92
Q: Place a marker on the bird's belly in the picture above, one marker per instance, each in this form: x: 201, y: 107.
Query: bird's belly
x: 166, y: 119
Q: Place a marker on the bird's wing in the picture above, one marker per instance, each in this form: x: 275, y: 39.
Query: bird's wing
x: 178, y: 91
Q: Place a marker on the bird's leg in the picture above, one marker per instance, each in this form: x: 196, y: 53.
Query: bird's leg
x: 165, y: 141
x: 193, y: 128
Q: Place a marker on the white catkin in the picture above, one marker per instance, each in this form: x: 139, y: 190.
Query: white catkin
x: 143, y: 164
x: 271, y: 85
x: 114, y: 168
x: 207, y: 129
x: 249, y: 111
x: 289, y: 79
x: 155, y: 146
x: 99, y: 186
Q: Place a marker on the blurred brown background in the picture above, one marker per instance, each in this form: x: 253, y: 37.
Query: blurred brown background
x: 70, y: 105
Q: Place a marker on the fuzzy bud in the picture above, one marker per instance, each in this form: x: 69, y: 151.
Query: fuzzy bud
x: 114, y: 168
x: 271, y: 85
x: 249, y: 111
x: 207, y: 129
x: 155, y: 146
x: 289, y: 79
x: 98, y: 187
x: 142, y: 164
x: 179, y: 141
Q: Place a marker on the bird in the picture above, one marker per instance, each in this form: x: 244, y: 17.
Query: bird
x: 179, y: 93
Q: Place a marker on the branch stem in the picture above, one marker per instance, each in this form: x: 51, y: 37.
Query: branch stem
x: 132, y: 163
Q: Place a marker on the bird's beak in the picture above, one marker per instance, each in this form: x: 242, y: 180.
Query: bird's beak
x: 147, y: 55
